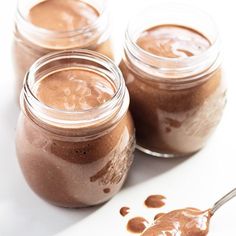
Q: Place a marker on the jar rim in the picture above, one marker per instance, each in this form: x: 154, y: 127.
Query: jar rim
x: 101, y: 112
x: 21, y: 19
x: 131, y: 46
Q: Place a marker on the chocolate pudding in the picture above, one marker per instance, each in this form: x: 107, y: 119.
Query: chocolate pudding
x: 173, y: 41
x: 74, y: 89
x: 53, y: 25
x: 62, y: 15
x: 124, y: 211
x: 158, y: 215
x: 184, y: 222
x: 155, y: 201
x: 177, y: 94
x: 137, y: 225
x: 75, y: 137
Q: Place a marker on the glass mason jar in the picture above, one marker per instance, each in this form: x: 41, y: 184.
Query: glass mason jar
x: 75, y: 158
x: 32, y: 41
x: 176, y: 103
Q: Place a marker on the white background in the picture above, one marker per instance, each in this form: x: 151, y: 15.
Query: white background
x: 197, y: 181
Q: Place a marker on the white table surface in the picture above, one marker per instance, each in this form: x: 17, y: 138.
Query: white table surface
x: 197, y: 181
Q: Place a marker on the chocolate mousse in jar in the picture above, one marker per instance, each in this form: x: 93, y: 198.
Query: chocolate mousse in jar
x: 172, y: 68
x: 48, y: 26
x: 75, y: 136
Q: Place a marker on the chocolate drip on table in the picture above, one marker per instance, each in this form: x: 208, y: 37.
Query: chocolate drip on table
x: 155, y: 201
x: 124, y: 211
x: 137, y: 225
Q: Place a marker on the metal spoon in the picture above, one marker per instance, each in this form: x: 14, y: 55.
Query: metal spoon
x: 222, y: 201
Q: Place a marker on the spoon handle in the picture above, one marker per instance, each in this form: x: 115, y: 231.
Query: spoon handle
x: 223, y: 200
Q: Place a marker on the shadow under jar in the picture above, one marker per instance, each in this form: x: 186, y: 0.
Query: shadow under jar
x: 75, y: 136
x: 172, y: 68
x: 48, y: 26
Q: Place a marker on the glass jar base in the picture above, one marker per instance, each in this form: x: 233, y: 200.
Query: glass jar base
x: 162, y: 155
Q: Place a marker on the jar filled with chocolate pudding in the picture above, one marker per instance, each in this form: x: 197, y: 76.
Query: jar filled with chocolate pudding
x: 172, y: 68
x: 75, y: 136
x: 48, y: 26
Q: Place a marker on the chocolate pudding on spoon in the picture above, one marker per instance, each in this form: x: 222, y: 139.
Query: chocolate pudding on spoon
x: 52, y: 25
x: 75, y: 136
x: 172, y: 68
x: 184, y: 222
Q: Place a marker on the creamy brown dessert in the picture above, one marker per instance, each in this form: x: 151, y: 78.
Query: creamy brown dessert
x: 137, y: 225
x: 74, y: 90
x: 173, y: 41
x: 124, y: 211
x: 184, y: 222
x: 75, y: 137
x: 176, y: 89
x: 158, y: 215
x: 155, y: 201
x: 53, y: 25
x: 62, y: 15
